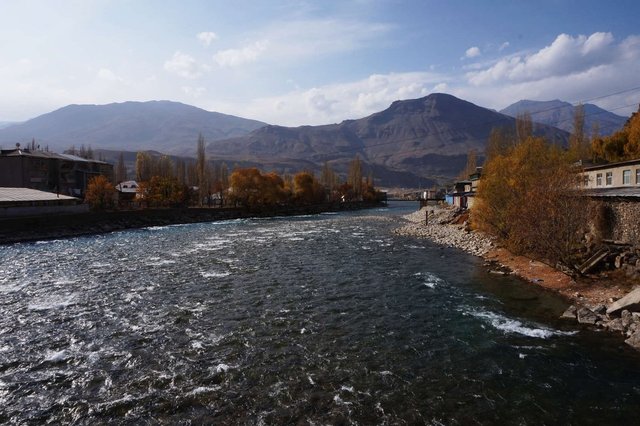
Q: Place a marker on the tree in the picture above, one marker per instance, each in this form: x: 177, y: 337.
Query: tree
x: 201, y: 169
x: 470, y: 167
x: 527, y: 199
x: 163, y: 191
x: 253, y: 190
x: 144, y: 165
x: 355, y: 176
x: 121, y: 169
x: 578, y: 148
x: 524, y: 127
x: 500, y: 141
x: 100, y: 194
x: 307, y: 190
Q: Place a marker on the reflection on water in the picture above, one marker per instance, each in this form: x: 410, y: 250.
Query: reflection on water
x: 322, y: 319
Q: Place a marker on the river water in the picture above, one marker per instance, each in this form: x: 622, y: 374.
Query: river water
x: 326, y: 319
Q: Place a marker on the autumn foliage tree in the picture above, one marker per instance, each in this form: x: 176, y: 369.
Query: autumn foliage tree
x: 251, y: 189
x: 160, y: 191
x: 527, y: 199
x: 307, y: 190
x: 100, y: 194
x: 620, y: 146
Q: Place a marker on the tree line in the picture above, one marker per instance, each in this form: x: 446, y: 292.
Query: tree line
x: 163, y: 182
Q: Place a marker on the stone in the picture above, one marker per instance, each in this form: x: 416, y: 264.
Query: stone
x: 634, y: 340
x: 599, y: 309
x: 630, y: 302
x: 615, y: 325
x: 586, y: 316
x: 570, y: 313
x: 635, y: 317
x: 626, y: 318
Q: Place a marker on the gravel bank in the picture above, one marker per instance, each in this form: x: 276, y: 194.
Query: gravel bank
x: 440, y: 231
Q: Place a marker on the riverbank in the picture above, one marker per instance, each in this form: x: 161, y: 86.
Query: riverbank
x: 48, y: 227
x: 584, y: 291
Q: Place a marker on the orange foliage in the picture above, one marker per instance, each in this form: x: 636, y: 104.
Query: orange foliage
x: 100, y: 193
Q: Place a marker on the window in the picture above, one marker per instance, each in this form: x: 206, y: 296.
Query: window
x: 637, y: 176
x: 626, y: 177
x: 609, y: 178
x: 585, y: 180
x: 599, y: 179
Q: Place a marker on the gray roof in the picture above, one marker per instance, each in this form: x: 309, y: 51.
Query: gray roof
x: 25, y: 152
x: 26, y: 195
x: 627, y: 191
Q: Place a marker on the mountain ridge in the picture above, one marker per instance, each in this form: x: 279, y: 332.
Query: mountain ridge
x: 427, y: 137
x: 168, y: 126
x: 560, y: 114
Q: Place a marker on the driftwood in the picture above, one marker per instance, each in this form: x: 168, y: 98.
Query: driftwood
x: 593, y: 261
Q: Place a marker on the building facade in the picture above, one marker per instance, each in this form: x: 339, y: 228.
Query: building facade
x: 49, y: 171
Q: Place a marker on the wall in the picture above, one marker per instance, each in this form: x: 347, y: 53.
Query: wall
x: 618, y: 219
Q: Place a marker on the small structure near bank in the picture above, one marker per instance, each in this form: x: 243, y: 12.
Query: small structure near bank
x: 15, y: 202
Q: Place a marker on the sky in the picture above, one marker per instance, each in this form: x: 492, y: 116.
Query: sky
x: 309, y: 62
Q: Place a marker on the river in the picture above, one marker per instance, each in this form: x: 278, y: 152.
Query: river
x: 324, y: 319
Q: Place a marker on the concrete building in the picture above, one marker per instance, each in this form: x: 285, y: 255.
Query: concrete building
x: 30, y: 202
x: 624, y: 174
x: 49, y: 171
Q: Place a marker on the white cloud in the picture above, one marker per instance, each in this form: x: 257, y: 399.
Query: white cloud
x: 207, y: 37
x: 295, y: 40
x: 472, y: 52
x: 108, y: 75
x: 194, y: 92
x: 503, y: 46
x: 337, y: 102
x: 244, y: 55
x: 566, y: 55
x: 571, y: 68
x: 184, y: 65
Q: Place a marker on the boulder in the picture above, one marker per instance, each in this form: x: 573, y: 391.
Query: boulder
x: 634, y: 340
x: 599, y: 309
x: 630, y: 302
x: 626, y: 318
x: 615, y: 325
x: 570, y: 313
x: 586, y: 316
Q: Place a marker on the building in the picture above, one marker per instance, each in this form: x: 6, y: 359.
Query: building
x: 30, y: 202
x: 464, y: 191
x: 624, y: 174
x: 615, y: 190
x: 49, y: 171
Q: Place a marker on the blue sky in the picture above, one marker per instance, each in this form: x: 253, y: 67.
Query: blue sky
x: 315, y: 62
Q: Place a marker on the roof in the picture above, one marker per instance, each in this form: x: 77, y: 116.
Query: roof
x: 27, y: 195
x: 127, y: 186
x: 612, y: 165
x: 25, y: 152
x: 630, y: 192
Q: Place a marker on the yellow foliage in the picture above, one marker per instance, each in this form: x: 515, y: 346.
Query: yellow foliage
x: 100, y: 194
x: 526, y: 199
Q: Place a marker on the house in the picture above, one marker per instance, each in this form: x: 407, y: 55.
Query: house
x: 128, y: 192
x: 615, y: 190
x: 623, y: 174
x: 49, y: 171
x: 464, y: 191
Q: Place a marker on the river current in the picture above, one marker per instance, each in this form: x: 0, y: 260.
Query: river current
x: 325, y: 319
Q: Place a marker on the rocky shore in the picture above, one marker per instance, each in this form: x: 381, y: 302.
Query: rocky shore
x: 607, y: 303
x: 435, y: 223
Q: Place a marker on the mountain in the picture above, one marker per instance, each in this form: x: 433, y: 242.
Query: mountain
x: 170, y: 127
x: 559, y: 114
x: 4, y: 124
x: 421, y: 140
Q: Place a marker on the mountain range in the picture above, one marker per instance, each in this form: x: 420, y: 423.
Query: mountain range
x: 425, y: 139
x: 560, y: 114
x: 165, y: 126
x: 412, y: 143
